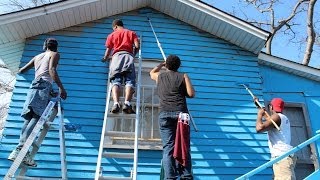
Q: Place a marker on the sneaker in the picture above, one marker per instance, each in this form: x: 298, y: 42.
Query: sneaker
x: 13, y: 155
x: 115, y: 108
x: 127, y: 109
x: 27, y: 160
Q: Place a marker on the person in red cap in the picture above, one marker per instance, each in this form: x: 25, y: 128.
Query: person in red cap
x: 38, y: 97
x: 278, y: 141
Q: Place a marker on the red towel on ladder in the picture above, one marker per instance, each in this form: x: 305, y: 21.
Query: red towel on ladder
x: 182, y: 139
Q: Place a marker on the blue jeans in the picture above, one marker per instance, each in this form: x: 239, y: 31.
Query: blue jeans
x: 127, y: 77
x: 26, y: 130
x: 168, y: 124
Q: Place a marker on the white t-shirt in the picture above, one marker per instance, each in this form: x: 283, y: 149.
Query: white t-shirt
x: 41, y: 65
x: 279, y: 141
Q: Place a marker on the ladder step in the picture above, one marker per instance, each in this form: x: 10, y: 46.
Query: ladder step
x: 119, y: 134
x: 36, y: 145
x: 118, y: 155
x: 33, y: 178
x: 122, y: 99
x: 114, y: 178
x: 122, y: 115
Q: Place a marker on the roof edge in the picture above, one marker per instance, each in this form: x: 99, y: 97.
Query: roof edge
x: 302, y: 70
x: 237, y: 22
x: 41, y: 10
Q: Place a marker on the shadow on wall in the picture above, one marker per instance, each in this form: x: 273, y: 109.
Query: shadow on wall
x: 227, y: 146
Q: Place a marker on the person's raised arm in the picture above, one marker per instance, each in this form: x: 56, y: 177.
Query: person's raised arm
x: 54, y: 61
x: 190, y: 90
x: 106, y: 55
x: 28, y: 66
x: 109, y: 48
x: 262, y: 126
x: 154, y: 73
x: 136, y: 47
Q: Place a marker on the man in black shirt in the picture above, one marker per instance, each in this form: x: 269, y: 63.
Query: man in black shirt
x: 173, y: 88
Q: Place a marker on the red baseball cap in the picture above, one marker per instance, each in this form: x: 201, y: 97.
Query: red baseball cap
x: 277, y: 104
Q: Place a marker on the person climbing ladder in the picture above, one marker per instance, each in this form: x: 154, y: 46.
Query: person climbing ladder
x: 39, y: 94
x: 124, y: 45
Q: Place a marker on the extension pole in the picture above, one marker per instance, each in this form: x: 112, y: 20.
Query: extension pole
x: 260, y: 106
x: 164, y: 58
x: 159, y: 45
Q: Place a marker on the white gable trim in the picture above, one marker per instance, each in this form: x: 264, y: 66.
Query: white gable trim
x: 228, y: 18
x: 51, y: 17
x: 42, y: 10
x: 289, y: 66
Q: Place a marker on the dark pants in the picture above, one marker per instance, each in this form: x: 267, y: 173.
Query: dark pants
x: 168, y: 124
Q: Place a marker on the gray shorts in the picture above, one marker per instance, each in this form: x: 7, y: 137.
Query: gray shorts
x: 122, y: 69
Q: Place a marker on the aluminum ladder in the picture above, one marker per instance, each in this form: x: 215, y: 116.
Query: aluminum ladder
x: 44, y: 123
x: 105, y: 134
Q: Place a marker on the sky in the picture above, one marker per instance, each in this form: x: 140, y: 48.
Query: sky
x: 282, y: 47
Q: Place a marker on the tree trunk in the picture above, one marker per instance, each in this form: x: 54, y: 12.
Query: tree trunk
x: 268, y: 44
x: 311, y: 33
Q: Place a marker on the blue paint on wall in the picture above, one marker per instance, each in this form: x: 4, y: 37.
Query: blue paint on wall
x: 226, y: 145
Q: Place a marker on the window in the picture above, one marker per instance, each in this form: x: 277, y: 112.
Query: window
x: 149, y: 136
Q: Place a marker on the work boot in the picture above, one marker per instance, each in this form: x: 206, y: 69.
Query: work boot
x: 13, y: 155
x: 115, y: 108
x: 127, y: 109
x: 27, y: 160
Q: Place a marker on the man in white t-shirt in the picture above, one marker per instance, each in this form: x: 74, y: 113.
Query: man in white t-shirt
x: 278, y: 141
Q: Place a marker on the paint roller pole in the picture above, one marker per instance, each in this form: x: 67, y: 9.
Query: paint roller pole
x: 159, y: 45
x: 260, y: 106
x: 164, y: 58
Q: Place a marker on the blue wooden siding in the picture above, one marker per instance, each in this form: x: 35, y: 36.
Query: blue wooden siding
x: 226, y: 145
x: 11, y: 53
x: 294, y: 89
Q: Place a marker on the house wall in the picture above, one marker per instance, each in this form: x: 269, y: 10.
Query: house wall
x: 293, y: 89
x: 11, y: 54
x: 226, y: 145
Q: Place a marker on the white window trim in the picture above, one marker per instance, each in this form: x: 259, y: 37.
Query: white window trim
x: 150, y: 144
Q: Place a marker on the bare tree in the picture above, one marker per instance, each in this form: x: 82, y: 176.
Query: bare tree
x: 311, y: 33
x: 14, y: 5
x: 274, y: 25
x: 6, y: 88
x: 286, y: 25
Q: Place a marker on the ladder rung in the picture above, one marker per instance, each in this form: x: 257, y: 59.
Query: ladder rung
x: 119, y: 134
x: 118, y: 155
x: 114, y: 178
x: 33, y: 178
x: 52, y: 124
x: 35, y: 144
x: 122, y: 115
x: 122, y: 99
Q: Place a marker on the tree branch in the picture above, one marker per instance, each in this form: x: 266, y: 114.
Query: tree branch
x: 311, y: 33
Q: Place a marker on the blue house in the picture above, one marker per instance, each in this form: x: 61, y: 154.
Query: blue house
x: 218, y: 51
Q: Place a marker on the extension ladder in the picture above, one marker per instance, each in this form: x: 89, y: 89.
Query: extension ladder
x: 108, y: 134
x: 43, y: 123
